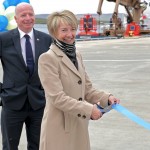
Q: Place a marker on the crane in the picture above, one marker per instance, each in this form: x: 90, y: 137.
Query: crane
x: 134, y: 9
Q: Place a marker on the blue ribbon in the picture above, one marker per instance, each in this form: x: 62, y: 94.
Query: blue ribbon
x: 131, y: 116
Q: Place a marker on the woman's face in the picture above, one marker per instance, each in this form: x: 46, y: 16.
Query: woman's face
x: 66, y: 33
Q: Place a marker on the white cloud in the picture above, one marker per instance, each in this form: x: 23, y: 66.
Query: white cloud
x: 82, y: 6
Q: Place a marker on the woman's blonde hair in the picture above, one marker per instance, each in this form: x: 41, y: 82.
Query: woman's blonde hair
x: 54, y: 20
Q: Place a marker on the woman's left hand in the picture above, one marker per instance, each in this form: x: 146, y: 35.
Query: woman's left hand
x: 113, y: 100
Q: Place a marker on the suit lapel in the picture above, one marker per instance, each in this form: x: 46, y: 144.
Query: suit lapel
x: 37, y: 46
x: 17, y: 45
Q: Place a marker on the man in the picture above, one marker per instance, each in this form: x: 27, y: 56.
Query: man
x: 22, y: 95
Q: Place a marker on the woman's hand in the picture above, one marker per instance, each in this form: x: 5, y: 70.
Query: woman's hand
x: 113, y: 100
x: 96, y: 114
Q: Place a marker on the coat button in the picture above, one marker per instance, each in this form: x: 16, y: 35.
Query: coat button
x: 79, y: 115
x: 80, y: 99
x: 79, y: 82
x: 83, y: 116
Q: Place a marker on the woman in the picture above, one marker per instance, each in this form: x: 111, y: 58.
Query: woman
x: 70, y: 98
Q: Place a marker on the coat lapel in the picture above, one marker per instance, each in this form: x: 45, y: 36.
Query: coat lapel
x: 67, y: 62
x: 80, y: 65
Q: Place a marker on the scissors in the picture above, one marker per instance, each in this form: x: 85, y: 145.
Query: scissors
x: 104, y: 110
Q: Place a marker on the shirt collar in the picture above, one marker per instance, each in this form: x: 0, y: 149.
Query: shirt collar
x: 22, y: 33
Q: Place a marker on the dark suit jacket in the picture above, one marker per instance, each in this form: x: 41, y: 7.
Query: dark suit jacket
x: 17, y: 86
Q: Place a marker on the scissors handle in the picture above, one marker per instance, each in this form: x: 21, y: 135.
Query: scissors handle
x: 100, y: 108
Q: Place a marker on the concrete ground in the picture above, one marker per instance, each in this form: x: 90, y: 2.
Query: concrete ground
x: 122, y: 67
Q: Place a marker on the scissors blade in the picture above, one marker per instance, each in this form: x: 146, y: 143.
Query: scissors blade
x: 104, y: 110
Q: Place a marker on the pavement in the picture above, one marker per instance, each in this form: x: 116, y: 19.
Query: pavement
x: 122, y: 67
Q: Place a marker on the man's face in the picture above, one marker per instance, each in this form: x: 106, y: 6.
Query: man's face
x: 25, y: 18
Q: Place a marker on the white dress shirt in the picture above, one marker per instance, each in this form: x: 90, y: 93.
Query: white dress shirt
x: 23, y: 40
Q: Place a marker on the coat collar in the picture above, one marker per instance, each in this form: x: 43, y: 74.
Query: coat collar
x: 66, y: 60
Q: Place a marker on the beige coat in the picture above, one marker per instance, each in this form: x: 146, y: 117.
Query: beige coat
x: 69, y: 102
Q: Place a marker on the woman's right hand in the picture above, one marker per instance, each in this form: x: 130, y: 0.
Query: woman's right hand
x: 96, y: 114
